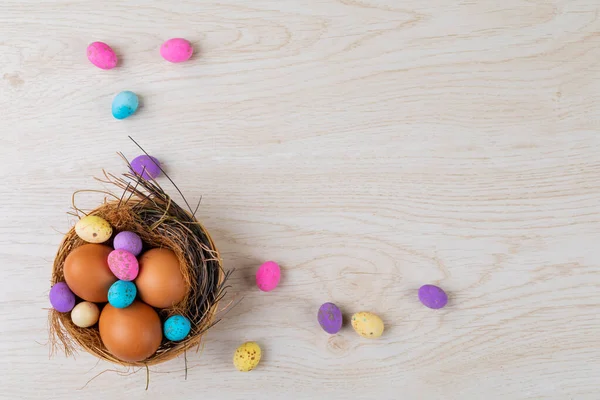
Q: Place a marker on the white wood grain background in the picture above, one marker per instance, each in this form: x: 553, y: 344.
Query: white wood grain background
x: 369, y: 146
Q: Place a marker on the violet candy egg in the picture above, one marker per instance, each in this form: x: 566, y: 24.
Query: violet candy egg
x: 128, y: 241
x: 267, y: 276
x: 330, y: 318
x: 432, y: 296
x: 123, y: 265
x: 61, y: 297
x: 146, y: 166
x: 176, y: 50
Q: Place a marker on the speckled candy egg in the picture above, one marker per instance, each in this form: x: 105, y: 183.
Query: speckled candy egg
x: 124, y: 104
x: 121, y: 294
x: 267, y: 276
x: 330, y: 318
x: 101, y: 55
x: 123, y: 264
x: 93, y: 229
x: 177, y: 328
x: 176, y: 50
x: 146, y: 166
x: 432, y: 296
x: 128, y: 241
x: 247, y: 356
x: 367, y: 325
x: 61, y: 297
x: 85, y: 314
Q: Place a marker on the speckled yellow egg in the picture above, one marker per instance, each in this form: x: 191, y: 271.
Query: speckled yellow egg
x: 85, y: 314
x: 93, y: 229
x: 247, y: 356
x: 367, y: 325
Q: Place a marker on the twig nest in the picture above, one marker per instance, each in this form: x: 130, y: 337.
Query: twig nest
x: 179, y: 275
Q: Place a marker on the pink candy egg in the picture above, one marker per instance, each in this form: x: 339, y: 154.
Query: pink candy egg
x: 101, y: 55
x: 123, y: 265
x: 267, y: 276
x: 176, y: 50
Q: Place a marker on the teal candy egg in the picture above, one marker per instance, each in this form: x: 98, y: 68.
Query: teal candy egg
x: 177, y: 328
x: 121, y: 294
x: 124, y: 104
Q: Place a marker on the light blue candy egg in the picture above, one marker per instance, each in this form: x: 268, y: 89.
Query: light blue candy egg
x: 121, y: 294
x: 177, y: 328
x: 124, y: 104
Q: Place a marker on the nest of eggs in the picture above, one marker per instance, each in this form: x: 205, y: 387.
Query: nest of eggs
x: 147, y: 210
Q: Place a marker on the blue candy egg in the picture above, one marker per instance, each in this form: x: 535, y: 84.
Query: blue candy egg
x: 124, y: 104
x: 121, y: 294
x: 177, y: 328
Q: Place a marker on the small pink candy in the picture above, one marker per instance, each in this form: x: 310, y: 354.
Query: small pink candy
x: 176, y: 50
x: 267, y: 276
x: 101, y: 55
x: 123, y: 265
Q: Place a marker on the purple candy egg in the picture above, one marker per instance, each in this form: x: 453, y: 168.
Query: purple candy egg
x: 128, y: 241
x: 432, y: 296
x: 146, y: 166
x: 61, y: 297
x: 330, y: 318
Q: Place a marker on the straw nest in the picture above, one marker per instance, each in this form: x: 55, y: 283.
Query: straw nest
x: 147, y: 210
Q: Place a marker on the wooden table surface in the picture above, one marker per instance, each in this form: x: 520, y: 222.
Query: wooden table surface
x: 368, y: 146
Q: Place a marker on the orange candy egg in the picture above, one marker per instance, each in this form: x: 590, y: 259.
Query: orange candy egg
x: 87, y: 273
x: 160, y: 282
x: 131, y: 334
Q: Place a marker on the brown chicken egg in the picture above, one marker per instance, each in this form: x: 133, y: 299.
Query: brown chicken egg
x: 160, y: 282
x: 131, y: 334
x: 87, y: 273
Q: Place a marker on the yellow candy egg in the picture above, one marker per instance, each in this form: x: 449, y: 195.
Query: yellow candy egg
x: 247, y: 356
x: 93, y: 229
x: 85, y: 314
x: 367, y: 325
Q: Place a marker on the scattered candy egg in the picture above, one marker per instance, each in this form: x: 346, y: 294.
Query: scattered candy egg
x: 367, y: 325
x: 177, y: 328
x: 93, y: 229
x: 432, y: 296
x: 85, y: 314
x: 267, y: 276
x: 176, y: 50
x: 128, y: 241
x: 87, y: 273
x: 124, y: 104
x: 247, y: 356
x: 123, y: 264
x: 131, y: 334
x: 101, y: 55
x: 146, y: 166
x: 121, y: 294
x: 61, y: 297
x: 330, y: 318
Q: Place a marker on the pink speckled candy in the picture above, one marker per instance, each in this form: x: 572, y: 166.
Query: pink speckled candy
x: 176, y: 50
x: 267, y: 276
x: 128, y: 241
x: 101, y: 55
x: 123, y: 265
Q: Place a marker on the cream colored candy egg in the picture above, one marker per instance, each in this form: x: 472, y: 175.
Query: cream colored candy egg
x: 93, y: 229
x: 247, y: 356
x: 85, y: 314
x: 367, y: 325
